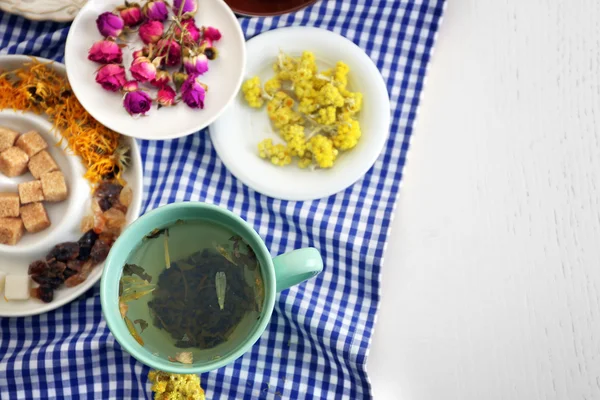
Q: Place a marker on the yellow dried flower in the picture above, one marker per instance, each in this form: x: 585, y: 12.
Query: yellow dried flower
x: 322, y: 150
x: 278, y: 154
x: 272, y: 86
x: 306, y: 161
x: 304, y: 90
x: 252, y: 92
x: 347, y: 135
x: 327, y: 115
x: 330, y: 95
x: 308, y: 60
x: 175, y: 386
x: 340, y: 74
x: 308, y: 105
x: 295, y: 138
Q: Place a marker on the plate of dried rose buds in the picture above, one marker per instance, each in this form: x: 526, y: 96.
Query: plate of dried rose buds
x: 156, y: 69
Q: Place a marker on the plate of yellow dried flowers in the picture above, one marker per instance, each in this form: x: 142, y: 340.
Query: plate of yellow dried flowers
x: 156, y: 69
x: 68, y: 186
x: 311, y: 119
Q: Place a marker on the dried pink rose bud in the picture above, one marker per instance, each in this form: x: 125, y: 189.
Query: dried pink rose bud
x: 179, y: 78
x: 142, y: 69
x: 193, y: 92
x: 195, y: 64
x: 156, y: 10
x: 174, y: 52
x: 162, y: 78
x: 111, y: 77
x: 105, y: 52
x: 151, y: 31
x: 137, y: 102
x: 109, y: 24
x: 191, y: 33
x: 211, y: 33
x: 187, y: 7
x: 131, y: 14
x: 140, y: 53
x: 131, y: 86
x: 166, y: 96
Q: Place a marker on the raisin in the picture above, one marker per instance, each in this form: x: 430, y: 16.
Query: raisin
x: 108, y: 194
x: 64, y: 252
x: 75, y: 280
x: 85, y: 244
x: 44, y: 293
x: 38, y: 267
x: 100, y: 251
x: 75, y: 265
x: 69, y: 273
x: 47, y: 281
x: 105, y: 204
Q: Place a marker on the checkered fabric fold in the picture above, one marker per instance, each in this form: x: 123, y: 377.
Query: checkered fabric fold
x: 318, y: 339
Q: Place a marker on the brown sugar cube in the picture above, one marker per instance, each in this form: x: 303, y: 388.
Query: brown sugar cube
x: 13, y: 162
x: 54, y: 186
x: 7, y: 138
x: 11, y: 230
x: 30, y: 192
x: 9, y: 205
x: 41, y: 163
x: 31, y: 143
x: 35, y: 218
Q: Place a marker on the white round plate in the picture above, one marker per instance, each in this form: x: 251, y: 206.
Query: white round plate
x: 223, y: 78
x: 65, y: 216
x: 44, y: 10
x: 238, y: 131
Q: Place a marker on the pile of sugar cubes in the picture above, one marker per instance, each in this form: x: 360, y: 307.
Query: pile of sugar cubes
x: 25, y: 210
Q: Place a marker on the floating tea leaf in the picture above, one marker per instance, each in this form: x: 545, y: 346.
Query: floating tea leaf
x: 143, y: 324
x: 185, y: 266
x: 225, y: 253
x: 185, y: 357
x: 221, y: 284
x: 132, y: 269
x: 167, y: 257
x: 260, y: 291
x: 131, y: 329
x: 123, y: 308
x: 156, y: 233
x: 135, y: 295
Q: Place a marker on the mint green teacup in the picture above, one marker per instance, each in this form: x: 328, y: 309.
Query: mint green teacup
x: 278, y: 273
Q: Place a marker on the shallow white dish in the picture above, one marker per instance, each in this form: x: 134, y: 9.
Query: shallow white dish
x: 66, y: 216
x: 224, y: 77
x: 44, y: 10
x: 238, y: 131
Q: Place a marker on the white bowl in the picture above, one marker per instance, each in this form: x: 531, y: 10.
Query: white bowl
x: 238, y: 131
x: 65, y: 216
x: 223, y: 78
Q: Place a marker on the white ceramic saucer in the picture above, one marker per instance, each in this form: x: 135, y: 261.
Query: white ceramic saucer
x: 65, y: 216
x: 237, y: 132
x: 223, y: 78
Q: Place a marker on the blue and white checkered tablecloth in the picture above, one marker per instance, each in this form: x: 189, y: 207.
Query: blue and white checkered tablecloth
x: 318, y: 339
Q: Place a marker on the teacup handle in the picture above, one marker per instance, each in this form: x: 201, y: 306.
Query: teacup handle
x: 296, y: 266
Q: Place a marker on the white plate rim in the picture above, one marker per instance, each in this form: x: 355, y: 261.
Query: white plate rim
x: 70, y: 61
x: 133, y: 211
x: 44, y: 10
x: 341, y: 184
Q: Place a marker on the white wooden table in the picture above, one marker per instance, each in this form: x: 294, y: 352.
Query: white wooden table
x: 491, y: 283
